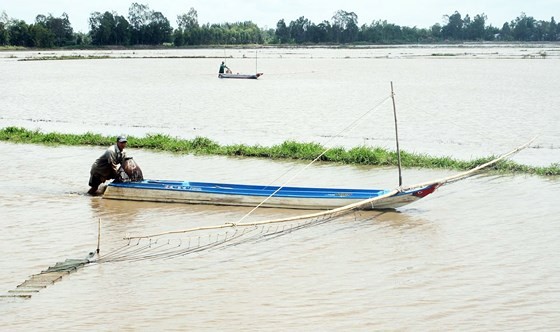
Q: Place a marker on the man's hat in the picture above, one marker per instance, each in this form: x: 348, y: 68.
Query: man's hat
x: 121, y: 139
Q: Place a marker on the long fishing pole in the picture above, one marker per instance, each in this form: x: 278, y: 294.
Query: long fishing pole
x: 396, y: 135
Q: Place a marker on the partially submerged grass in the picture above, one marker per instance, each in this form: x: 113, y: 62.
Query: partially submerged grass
x: 66, y: 57
x: 288, y: 150
x: 97, y: 57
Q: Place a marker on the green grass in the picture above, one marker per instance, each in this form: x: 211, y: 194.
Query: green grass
x: 288, y: 150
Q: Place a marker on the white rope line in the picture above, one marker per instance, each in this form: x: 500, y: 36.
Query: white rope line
x: 350, y: 207
x: 352, y: 124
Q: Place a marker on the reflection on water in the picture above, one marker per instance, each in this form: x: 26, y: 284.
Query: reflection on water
x: 475, y: 255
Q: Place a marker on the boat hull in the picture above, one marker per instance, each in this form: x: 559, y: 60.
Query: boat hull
x: 252, y: 195
x: 240, y: 76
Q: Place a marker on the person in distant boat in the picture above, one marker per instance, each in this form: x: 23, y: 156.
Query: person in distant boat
x: 107, y: 166
x: 223, y: 68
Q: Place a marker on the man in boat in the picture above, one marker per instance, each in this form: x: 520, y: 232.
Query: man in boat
x: 107, y: 165
x: 223, y: 68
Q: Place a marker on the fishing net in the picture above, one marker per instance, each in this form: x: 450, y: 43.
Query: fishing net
x: 161, y: 246
x: 153, y: 246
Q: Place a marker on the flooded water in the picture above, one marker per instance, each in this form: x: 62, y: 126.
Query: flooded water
x: 479, y: 254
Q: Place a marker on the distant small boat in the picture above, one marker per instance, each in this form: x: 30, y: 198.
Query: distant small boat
x: 240, y: 76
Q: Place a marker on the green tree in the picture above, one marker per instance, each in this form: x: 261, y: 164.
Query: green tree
x: 3, y: 34
x: 523, y: 28
x: 61, y: 28
x: 372, y: 33
x: 158, y: 29
x: 491, y: 32
x: 138, y: 16
x: 268, y: 36
x: 148, y: 27
x: 541, y: 30
x: 391, y: 32
x: 189, y: 20
x: 345, y: 26
x: 282, y: 32
x: 454, y: 27
x: 505, y: 32
x: 410, y: 35
x: 553, y: 30
x: 102, y: 28
x: 18, y: 32
x: 435, y: 31
x: 320, y: 33
x: 82, y: 38
x: 298, y: 29
x: 3, y: 28
x: 121, y: 30
x: 424, y: 35
x: 178, y: 37
x: 188, y: 31
x: 475, y: 29
x: 109, y: 29
x: 41, y: 35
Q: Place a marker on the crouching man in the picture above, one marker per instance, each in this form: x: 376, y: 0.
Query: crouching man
x: 107, y: 166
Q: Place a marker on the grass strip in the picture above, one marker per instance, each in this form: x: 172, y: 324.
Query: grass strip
x: 287, y: 150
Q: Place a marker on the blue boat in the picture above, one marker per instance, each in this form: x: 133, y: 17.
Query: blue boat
x: 312, y: 198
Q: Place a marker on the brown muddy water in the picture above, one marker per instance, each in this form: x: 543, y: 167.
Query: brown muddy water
x: 479, y: 254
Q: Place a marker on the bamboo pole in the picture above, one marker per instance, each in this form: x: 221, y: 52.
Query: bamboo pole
x: 350, y: 207
x: 98, y: 236
x: 396, y: 135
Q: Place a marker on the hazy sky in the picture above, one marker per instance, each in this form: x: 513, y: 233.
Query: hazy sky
x: 419, y: 13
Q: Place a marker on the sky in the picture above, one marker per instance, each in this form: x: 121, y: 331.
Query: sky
x: 266, y: 13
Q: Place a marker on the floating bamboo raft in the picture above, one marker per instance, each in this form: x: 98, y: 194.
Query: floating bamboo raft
x: 46, y: 278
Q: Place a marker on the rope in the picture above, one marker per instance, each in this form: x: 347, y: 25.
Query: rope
x: 348, y: 208
x: 148, y: 249
x: 348, y: 127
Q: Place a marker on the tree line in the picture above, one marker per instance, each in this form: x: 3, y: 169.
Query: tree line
x: 144, y: 26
